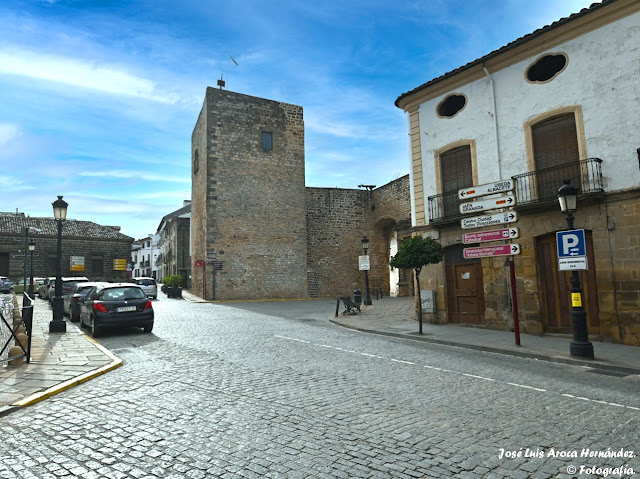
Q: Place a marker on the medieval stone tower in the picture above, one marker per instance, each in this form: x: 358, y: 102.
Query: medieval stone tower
x: 248, y: 199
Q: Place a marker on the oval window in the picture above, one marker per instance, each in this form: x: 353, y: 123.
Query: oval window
x: 546, y: 68
x: 451, y: 106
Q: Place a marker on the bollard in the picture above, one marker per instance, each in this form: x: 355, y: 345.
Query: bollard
x: 337, y: 307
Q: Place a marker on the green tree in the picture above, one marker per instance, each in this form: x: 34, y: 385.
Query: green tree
x: 416, y: 253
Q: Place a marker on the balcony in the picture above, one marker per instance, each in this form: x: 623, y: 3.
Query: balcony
x: 533, y: 190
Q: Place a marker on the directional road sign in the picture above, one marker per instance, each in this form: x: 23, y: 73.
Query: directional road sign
x: 494, y: 235
x: 498, y: 250
x: 489, y: 220
x: 488, y: 204
x: 487, y: 189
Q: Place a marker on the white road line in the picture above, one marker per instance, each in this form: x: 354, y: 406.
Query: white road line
x: 524, y: 386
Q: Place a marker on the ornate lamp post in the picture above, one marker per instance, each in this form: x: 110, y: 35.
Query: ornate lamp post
x: 60, y: 214
x: 580, y: 346
x: 32, y: 247
x: 365, y: 247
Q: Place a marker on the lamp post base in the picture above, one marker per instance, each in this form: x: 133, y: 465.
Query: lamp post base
x: 57, y: 327
x: 581, y: 349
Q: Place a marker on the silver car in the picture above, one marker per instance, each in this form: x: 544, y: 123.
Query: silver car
x: 148, y: 285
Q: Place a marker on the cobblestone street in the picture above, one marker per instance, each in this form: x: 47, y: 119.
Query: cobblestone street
x: 275, y: 390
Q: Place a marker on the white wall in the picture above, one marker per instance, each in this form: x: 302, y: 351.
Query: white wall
x: 602, y: 75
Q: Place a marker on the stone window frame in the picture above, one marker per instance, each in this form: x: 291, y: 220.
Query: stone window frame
x: 466, y: 102
x: 547, y: 54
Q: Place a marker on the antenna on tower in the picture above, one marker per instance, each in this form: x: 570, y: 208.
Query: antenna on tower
x: 221, y: 82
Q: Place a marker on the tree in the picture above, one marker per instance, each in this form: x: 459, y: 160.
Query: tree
x: 416, y: 253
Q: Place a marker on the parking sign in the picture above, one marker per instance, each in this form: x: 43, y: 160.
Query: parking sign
x: 572, y: 250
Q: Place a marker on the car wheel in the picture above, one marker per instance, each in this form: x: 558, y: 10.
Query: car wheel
x: 95, y: 330
x: 148, y: 329
x: 155, y: 297
x: 74, y: 319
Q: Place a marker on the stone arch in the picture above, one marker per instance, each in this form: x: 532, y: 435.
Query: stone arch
x: 380, y: 243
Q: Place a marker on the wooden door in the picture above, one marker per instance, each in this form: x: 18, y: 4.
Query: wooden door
x: 4, y: 264
x: 465, y: 292
x: 455, y: 169
x: 555, y: 287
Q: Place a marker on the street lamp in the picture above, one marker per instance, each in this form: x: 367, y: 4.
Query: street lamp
x: 580, y: 346
x: 60, y: 214
x: 32, y: 247
x: 365, y: 247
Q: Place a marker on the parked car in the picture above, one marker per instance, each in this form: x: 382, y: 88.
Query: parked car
x: 73, y: 300
x: 148, y: 285
x: 67, y: 282
x: 37, y: 282
x: 116, y: 305
x: 43, y: 290
x: 6, y: 285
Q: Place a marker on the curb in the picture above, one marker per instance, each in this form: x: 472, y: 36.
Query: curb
x: 506, y: 352
x: 251, y: 300
x: 116, y: 362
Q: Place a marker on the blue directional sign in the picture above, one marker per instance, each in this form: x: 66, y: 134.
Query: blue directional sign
x: 571, y: 244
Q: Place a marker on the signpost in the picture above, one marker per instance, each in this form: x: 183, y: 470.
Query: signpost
x: 119, y: 264
x: 363, y: 261
x: 489, y: 220
x: 486, y: 189
x: 507, y: 200
x: 487, y: 251
x: 493, y: 235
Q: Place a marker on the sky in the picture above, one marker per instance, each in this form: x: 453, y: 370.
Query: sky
x: 98, y: 98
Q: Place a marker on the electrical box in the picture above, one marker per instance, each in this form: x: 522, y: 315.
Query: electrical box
x: 428, y: 298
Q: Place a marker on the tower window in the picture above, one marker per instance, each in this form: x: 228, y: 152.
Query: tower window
x: 267, y: 141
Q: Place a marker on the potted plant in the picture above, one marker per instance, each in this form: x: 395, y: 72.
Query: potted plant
x: 174, y: 285
x: 163, y: 288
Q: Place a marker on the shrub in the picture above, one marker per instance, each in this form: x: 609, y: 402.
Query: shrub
x: 173, y: 281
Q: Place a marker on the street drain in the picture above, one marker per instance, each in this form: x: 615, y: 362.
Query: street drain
x: 606, y: 372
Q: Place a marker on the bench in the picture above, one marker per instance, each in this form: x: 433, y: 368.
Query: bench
x: 349, y: 306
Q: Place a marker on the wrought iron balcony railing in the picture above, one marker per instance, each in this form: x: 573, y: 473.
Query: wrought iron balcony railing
x: 533, y: 188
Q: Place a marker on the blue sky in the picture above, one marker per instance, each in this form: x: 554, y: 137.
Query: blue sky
x: 99, y: 98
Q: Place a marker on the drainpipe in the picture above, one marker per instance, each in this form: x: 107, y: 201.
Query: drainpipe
x: 495, y: 119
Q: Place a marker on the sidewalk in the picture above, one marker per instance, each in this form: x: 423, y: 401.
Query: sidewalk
x: 58, y: 361
x: 394, y: 317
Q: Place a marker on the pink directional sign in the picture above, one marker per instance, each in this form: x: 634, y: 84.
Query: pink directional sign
x: 494, y: 235
x: 499, y: 250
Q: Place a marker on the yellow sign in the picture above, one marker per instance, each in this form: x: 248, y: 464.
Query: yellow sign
x: 77, y: 263
x: 119, y: 264
x: 576, y: 299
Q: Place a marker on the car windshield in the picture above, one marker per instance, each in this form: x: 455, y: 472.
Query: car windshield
x: 145, y: 282
x: 121, y: 294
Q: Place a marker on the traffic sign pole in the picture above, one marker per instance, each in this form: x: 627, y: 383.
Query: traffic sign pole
x: 514, y: 302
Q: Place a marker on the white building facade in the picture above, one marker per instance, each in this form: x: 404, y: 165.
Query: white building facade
x: 562, y: 103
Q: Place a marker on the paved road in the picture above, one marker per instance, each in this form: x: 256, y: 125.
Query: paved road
x: 275, y: 390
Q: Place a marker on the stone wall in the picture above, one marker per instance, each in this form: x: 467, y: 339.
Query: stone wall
x: 337, y: 219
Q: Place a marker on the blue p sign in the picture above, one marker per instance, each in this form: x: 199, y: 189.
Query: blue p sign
x: 571, y: 244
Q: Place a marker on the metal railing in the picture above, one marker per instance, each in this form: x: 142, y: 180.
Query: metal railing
x: 542, y: 185
x: 530, y: 188
x: 9, y: 332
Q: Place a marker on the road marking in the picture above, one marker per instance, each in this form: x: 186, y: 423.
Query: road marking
x: 524, y: 386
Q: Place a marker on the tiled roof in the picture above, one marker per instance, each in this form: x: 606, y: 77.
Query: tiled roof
x: 13, y: 223
x: 179, y: 212
x: 508, y: 46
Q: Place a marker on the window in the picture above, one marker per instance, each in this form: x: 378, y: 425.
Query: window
x: 546, y: 68
x: 267, y: 141
x: 195, y: 162
x: 97, y: 265
x: 456, y: 173
x: 451, y: 106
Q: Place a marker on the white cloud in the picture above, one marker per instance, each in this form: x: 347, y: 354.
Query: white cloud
x: 141, y: 175
x: 8, y: 131
x: 80, y: 73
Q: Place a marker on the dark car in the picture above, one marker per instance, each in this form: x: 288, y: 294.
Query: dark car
x: 116, y: 305
x: 73, y: 300
x: 66, y: 283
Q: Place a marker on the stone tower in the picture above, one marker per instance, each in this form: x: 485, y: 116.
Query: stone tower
x: 248, y: 199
